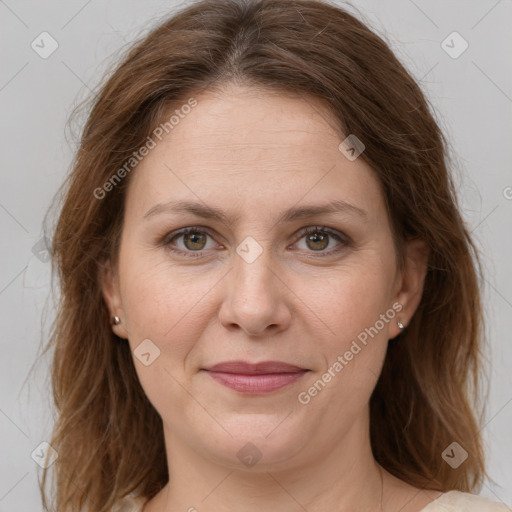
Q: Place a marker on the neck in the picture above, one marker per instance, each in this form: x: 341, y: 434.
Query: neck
x: 342, y: 478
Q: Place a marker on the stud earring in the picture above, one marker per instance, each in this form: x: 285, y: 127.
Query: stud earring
x: 116, y: 320
x: 400, y: 324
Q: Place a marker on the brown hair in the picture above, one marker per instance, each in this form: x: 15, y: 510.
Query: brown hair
x: 108, y: 435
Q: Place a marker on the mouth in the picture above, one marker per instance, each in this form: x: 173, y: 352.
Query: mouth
x: 255, y: 379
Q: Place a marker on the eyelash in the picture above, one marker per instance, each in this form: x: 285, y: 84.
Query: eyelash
x: 344, y: 240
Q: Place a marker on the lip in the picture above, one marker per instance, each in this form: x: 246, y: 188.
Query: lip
x: 246, y: 368
x: 256, y: 378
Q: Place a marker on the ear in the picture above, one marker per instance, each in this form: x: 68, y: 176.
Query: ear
x: 410, y: 281
x: 110, y: 290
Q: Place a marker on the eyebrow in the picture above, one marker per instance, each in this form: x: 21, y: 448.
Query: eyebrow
x: 296, y: 213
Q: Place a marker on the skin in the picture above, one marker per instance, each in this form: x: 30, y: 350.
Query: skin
x: 255, y: 154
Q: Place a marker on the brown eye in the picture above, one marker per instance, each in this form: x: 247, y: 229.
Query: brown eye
x: 188, y: 242
x: 195, y: 240
x: 317, y: 241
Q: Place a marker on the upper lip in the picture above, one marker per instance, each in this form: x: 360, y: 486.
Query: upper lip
x: 265, y: 367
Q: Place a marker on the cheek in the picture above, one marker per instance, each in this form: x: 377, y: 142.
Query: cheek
x: 350, y: 300
x: 166, y: 305
x: 354, y: 345
x: 353, y: 348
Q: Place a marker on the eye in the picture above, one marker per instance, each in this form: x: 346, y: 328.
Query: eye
x: 318, y: 238
x: 194, y: 241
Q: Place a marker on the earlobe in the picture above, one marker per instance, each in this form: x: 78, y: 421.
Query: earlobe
x: 112, y: 297
x: 411, y: 282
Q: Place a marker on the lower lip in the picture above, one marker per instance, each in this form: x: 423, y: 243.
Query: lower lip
x: 256, y: 384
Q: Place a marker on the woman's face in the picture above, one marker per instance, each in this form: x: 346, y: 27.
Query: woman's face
x: 253, y: 286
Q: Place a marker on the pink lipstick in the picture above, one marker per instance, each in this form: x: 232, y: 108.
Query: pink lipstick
x: 255, y: 379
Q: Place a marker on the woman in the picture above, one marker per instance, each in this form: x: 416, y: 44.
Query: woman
x: 270, y: 300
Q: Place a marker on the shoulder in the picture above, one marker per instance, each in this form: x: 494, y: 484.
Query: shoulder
x: 457, y: 501
x: 129, y: 504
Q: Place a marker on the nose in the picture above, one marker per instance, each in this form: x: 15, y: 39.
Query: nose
x: 255, y: 297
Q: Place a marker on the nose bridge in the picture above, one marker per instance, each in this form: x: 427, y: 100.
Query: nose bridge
x: 253, y: 272
x: 253, y: 300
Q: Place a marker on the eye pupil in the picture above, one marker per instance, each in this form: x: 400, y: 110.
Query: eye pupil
x: 318, y: 237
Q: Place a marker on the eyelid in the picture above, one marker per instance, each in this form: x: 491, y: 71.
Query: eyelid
x: 331, y: 231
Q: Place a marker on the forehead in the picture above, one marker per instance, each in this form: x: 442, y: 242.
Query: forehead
x: 252, y: 148
x: 249, y: 122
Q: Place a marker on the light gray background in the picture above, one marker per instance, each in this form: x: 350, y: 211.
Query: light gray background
x: 472, y: 95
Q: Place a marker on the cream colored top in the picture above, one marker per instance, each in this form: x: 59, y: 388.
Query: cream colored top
x: 452, y: 501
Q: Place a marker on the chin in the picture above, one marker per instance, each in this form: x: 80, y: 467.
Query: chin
x: 257, y: 442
